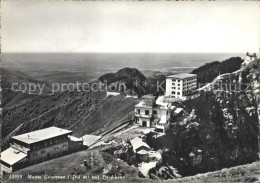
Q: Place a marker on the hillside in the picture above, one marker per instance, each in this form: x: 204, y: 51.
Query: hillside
x: 12, y: 77
x: 136, y: 83
x: 242, y: 173
x: 218, y: 129
x: 100, y: 163
x: 209, y: 71
x: 82, y: 112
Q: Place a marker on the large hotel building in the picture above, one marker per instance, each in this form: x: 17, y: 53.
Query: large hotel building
x: 181, y: 85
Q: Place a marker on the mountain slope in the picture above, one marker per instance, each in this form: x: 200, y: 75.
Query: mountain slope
x: 242, y: 173
x: 16, y: 77
x: 209, y: 71
x: 136, y: 83
x: 218, y: 129
x: 82, y: 112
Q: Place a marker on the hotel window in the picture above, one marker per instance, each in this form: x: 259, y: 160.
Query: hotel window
x: 45, y: 143
x: 154, y: 112
x: 43, y: 152
x: 178, y: 84
x: 64, y: 145
x: 173, y: 80
x: 178, y: 93
x: 173, y: 92
x: 50, y: 142
x: 179, y: 80
x: 138, y: 111
x: 146, y: 112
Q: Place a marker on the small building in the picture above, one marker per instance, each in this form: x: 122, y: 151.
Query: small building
x: 153, y: 113
x: 12, y: 160
x: 138, y: 144
x: 112, y: 93
x: 89, y: 140
x: 142, y: 155
x: 181, y: 86
x: 34, y: 147
x: 75, y: 144
x: 178, y: 111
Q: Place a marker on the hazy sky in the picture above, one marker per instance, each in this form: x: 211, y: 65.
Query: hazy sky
x: 60, y: 26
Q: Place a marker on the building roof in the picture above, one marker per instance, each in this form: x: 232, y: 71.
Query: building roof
x: 40, y: 135
x: 182, y: 76
x: 178, y: 110
x: 75, y: 139
x: 148, y: 97
x: 138, y: 142
x: 142, y: 104
x: 12, y: 156
x: 89, y: 140
x: 142, y: 152
x: 160, y: 101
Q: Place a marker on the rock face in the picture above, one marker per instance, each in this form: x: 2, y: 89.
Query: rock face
x: 223, y: 123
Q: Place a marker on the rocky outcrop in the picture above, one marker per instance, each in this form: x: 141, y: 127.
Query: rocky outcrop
x: 134, y: 82
x: 223, y: 123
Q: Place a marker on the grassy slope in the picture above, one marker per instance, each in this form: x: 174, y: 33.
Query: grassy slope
x: 82, y: 113
x: 72, y: 164
x: 243, y: 173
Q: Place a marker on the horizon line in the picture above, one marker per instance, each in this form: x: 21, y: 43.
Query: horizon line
x: 128, y: 52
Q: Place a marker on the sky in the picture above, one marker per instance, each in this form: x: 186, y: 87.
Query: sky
x: 172, y: 27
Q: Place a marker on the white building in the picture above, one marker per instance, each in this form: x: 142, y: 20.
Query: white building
x: 181, y: 85
x: 153, y: 114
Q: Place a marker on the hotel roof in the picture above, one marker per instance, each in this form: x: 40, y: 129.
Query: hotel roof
x: 12, y: 156
x: 40, y: 135
x: 138, y: 142
x: 181, y: 76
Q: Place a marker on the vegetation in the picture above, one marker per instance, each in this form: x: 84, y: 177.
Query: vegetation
x: 209, y: 71
x: 244, y: 173
x: 223, y: 125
